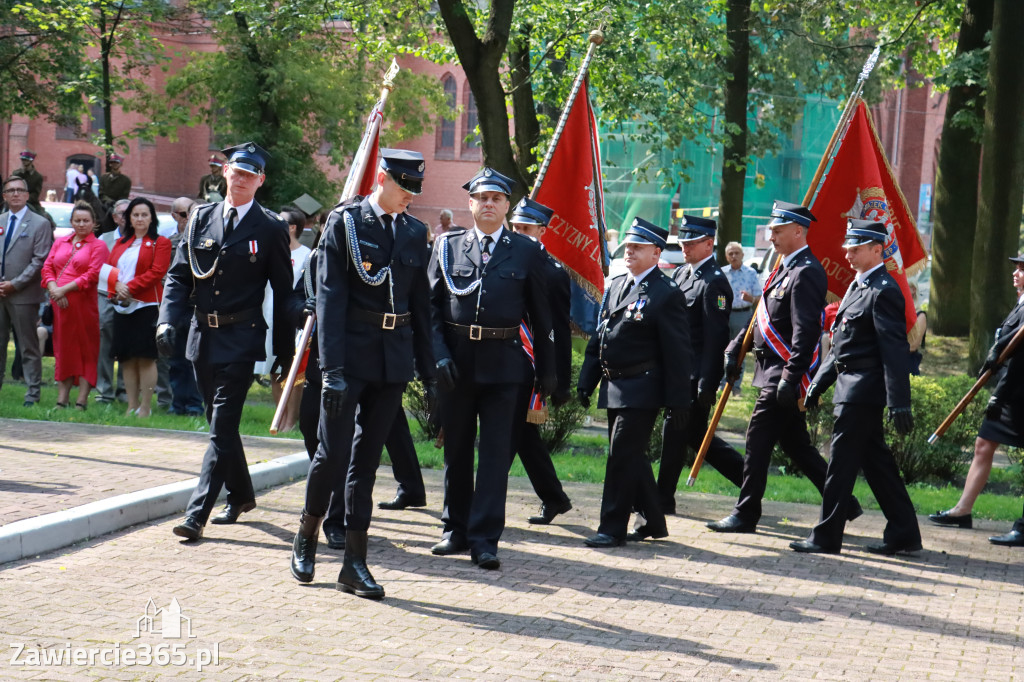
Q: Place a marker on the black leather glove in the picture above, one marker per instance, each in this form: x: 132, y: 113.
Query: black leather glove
x: 812, y: 400
x: 309, y: 307
x: 991, y: 361
x: 676, y: 417
x: 902, y: 419
x: 545, y: 385
x: 583, y: 397
x: 732, y: 368
x: 706, y: 398
x: 447, y: 375
x: 165, y: 337
x: 786, y: 394
x: 560, y: 397
x: 333, y: 392
x: 433, y: 409
x: 994, y: 409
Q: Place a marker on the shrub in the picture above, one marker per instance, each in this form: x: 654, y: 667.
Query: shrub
x: 415, y: 401
x: 567, y: 419
x: 932, y: 399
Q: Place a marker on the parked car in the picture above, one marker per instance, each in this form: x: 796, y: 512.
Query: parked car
x: 671, y: 258
x: 61, y: 213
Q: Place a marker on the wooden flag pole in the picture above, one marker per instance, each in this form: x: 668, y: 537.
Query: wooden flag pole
x: 748, y: 338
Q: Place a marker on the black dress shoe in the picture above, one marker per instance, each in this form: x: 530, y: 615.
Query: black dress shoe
x: 190, y: 528
x: 449, y: 546
x: 808, y: 547
x: 601, y: 541
x: 944, y: 518
x: 643, y: 533
x: 487, y: 561
x: 231, y: 512
x: 549, y: 511
x: 403, y: 502
x: 894, y: 548
x: 732, y: 524
x: 335, y: 537
x: 1014, y: 538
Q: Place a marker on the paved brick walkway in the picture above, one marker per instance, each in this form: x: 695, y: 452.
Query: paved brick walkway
x: 699, y: 605
x: 52, y: 466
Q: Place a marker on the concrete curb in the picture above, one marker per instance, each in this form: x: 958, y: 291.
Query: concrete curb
x: 34, y: 536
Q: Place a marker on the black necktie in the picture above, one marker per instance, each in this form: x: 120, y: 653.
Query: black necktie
x: 389, y: 233
x: 232, y: 214
x: 7, y: 242
x: 485, y: 247
x: 626, y: 289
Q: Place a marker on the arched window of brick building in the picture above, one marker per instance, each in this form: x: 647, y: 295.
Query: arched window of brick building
x: 470, y: 140
x: 444, y: 146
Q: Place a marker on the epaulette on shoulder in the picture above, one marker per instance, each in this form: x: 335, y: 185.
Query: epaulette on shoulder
x: 453, y: 233
x: 348, y: 203
x: 271, y: 214
x: 416, y: 221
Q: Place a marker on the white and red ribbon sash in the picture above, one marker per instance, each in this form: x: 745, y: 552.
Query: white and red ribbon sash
x: 526, y: 336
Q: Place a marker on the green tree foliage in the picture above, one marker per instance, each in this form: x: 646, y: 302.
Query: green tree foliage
x: 298, y: 78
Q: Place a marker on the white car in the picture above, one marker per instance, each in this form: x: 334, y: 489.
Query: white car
x: 671, y: 258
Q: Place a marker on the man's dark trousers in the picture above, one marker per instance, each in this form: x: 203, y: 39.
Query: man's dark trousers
x: 224, y: 387
x: 350, y: 471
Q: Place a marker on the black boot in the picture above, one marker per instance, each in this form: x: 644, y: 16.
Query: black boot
x: 355, y: 577
x: 304, y: 548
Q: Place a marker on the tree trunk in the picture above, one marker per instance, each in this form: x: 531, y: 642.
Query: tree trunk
x: 524, y: 109
x: 106, y: 43
x: 1002, y: 179
x: 481, y: 60
x: 737, y: 66
x: 956, y: 191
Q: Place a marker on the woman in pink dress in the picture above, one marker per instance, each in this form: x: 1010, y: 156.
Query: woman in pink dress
x: 70, y: 274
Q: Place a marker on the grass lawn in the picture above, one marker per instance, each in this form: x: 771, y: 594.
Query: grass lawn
x: 584, y: 459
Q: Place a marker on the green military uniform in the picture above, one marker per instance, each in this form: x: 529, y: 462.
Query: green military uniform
x: 114, y: 187
x: 210, y: 183
x: 34, y: 179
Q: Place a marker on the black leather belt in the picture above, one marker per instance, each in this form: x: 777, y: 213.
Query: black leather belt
x: 382, y: 320
x: 856, y: 365
x: 477, y: 333
x: 215, y: 319
x: 631, y: 371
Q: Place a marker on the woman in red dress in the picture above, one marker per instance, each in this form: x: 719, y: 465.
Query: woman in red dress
x: 70, y: 274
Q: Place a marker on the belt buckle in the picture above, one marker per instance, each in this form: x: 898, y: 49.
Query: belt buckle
x: 212, y: 321
x: 389, y: 321
x: 476, y: 332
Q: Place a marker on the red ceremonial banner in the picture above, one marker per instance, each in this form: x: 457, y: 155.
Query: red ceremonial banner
x: 861, y: 185
x: 572, y: 188
x: 372, y: 133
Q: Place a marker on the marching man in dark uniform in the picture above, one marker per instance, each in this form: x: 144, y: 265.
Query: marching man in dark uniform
x: 641, y: 357
x: 484, y: 282
x: 787, y: 337
x: 114, y: 185
x: 373, y: 320
x: 213, y: 182
x: 531, y: 219
x: 229, y: 251
x: 870, y: 365
x: 708, y: 306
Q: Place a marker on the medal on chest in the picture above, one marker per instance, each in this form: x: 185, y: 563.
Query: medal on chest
x: 254, y: 247
x: 635, y: 310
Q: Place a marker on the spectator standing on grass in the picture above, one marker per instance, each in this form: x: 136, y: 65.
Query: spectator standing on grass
x: 109, y: 386
x: 25, y: 242
x: 1003, y: 423
x: 134, y: 274
x: 70, y: 275
x: 746, y: 292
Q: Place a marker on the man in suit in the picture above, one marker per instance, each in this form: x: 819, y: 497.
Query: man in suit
x: 708, y: 306
x: 870, y: 365
x: 484, y: 282
x: 373, y: 322
x: 25, y: 243
x: 229, y: 253
x: 641, y: 357
x: 787, y: 338
x: 114, y: 184
x: 531, y: 220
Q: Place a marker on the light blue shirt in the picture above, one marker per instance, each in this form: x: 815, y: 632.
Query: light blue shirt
x: 743, y: 279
